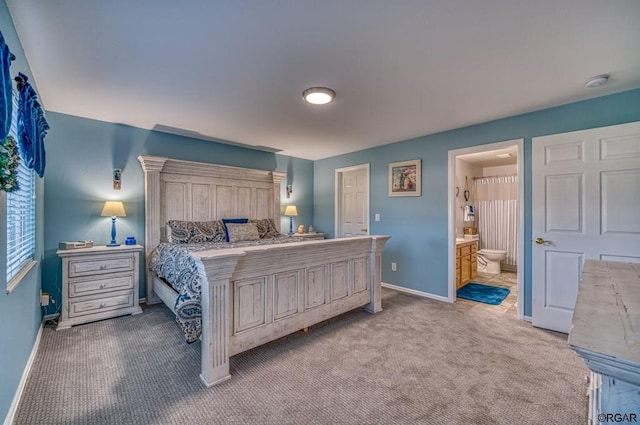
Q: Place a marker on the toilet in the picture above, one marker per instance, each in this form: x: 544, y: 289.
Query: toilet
x: 489, y: 260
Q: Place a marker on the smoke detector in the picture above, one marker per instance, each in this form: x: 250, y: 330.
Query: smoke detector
x: 597, y: 81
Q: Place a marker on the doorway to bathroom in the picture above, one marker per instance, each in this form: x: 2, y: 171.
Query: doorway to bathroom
x: 486, y: 226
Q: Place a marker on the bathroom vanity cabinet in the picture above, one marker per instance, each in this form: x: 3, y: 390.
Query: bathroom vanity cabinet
x: 466, y: 262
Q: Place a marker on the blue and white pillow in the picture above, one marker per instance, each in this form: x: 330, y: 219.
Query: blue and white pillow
x: 195, y: 231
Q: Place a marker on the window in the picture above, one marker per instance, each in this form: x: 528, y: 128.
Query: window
x: 21, y: 217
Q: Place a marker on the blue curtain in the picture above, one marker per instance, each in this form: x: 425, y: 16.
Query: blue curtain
x: 32, y: 126
x: 6, y: 103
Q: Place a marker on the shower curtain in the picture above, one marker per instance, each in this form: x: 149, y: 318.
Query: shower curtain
x: 496, y: 200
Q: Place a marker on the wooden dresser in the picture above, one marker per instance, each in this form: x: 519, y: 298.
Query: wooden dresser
x: 99, y: 283
x: 466, y: 262
x: 606, y: 334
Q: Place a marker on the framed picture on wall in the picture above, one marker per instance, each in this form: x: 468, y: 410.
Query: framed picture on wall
x: 405, y: 178
x: 117, y: 179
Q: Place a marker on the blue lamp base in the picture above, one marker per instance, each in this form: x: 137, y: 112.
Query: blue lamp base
x: 290, y: 226
x: 113, y: 233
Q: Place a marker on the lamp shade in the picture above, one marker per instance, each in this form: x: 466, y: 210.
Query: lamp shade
x: 291, y: 211
x: 113, y: 209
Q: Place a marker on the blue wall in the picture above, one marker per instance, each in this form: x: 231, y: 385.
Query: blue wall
x: 418, y: 225
x: 81, y: 156
x: 20, y: 314
x: 82, y: 153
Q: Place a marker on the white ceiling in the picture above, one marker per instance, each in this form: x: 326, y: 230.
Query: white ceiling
x: 235, y: 70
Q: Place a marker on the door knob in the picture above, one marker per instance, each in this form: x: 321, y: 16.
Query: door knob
x: 541, y: 241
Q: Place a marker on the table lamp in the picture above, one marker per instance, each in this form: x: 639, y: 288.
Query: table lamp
x: 291, y: 211
x: 113, y: 209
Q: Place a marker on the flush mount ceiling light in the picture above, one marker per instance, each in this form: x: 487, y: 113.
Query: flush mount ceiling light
x: 597, y: 81
x: 318, y: 95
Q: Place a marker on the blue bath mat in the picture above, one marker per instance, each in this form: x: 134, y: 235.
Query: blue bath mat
x: 483, y: 293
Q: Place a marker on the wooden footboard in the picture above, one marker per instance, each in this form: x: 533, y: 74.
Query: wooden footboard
x: 258, y: 294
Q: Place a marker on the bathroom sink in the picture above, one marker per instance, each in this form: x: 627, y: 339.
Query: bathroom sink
x: 466, y: 240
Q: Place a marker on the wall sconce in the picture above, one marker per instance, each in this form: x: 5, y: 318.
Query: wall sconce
x: 289, y: 191
x: 113, y: 209
x: 291, y: 211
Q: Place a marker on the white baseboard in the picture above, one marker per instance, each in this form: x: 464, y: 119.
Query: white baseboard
x: 25, y: 374
x: 142, y: 300
x: 414, y: 292
x: 509, y: 268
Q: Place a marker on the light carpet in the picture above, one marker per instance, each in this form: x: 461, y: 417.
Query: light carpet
x: 419, y: 361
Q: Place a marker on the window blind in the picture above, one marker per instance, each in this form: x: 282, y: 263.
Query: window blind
x: 21, y: 213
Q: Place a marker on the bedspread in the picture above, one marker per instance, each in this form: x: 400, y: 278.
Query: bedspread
x: 179, y: 266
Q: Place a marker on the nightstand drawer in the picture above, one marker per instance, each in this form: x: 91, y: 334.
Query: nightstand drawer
x: 100, y: 284
x: 86, y: 267
x: 79, y: 308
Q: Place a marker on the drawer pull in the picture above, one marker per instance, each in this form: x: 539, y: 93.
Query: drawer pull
x: 102, y: 285
x: 103, y: 267
x: 102, y: 305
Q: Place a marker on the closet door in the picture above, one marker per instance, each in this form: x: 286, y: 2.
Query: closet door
x: 353, y: 206
x: 586, y: 198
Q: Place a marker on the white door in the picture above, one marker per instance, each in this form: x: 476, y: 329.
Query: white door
x: 586, y: 205
x: 354, y: 202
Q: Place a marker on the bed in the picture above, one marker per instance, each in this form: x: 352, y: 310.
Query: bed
x: 253, y: 294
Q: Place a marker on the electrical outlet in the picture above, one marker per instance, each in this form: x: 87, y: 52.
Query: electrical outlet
x: 377, y: 217
x: 394, y: 267
x: 44, y: 299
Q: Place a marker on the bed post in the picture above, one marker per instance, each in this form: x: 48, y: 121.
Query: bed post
x: 151, y: 165
x: 215, y: 300
x: 278, y: 177
x: 375, y: 262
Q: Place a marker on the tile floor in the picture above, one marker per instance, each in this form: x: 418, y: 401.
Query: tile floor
x: 504, y: 279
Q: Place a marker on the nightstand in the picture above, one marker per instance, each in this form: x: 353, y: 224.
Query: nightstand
x: 99, y: 283
x: 311, y: 235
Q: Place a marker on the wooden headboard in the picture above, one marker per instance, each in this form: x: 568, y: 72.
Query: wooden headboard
x: 196, y: 191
